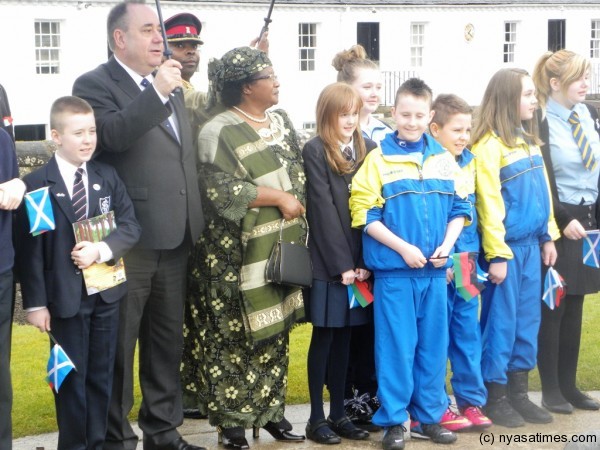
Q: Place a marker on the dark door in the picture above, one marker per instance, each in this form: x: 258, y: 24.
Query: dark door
x: 557, y: 29
x: 367, y: 35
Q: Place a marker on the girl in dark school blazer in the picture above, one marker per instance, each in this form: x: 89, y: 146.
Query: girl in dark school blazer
x: 331, y: 159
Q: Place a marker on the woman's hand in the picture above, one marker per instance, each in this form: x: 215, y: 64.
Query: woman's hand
x: 574, y: 230
x: 449, y: 275
x: 497, y: 272
x: 289, y: 206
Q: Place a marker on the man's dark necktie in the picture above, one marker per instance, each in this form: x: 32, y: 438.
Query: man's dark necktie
x: 79, y: 198
x: 166, y: 123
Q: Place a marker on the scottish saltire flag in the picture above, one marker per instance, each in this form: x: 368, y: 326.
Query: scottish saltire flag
x: 468, y: 277
x: 555, y: 288
x: 39, y: 211
x: 359, y: 294
x: 591, y: 251
x: 59, y: 366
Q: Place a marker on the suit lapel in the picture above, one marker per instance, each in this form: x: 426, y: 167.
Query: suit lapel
x: 122, y: 78
x: 59, y: 190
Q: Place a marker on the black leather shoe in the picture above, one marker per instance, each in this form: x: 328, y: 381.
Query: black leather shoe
x: 581, y: 401
x: 320, y: 433
x: 346, y: 429
x: 560, y: 408
x: 281, y: 431
x: 177, y: 444
x: 233, y: 438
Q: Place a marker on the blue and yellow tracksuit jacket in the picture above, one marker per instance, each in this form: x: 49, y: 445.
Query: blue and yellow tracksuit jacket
x: 415, y: 201
x: 468, y: 240
x: 513, y: 196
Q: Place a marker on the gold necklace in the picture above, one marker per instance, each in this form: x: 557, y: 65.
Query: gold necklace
x: 248, y: 116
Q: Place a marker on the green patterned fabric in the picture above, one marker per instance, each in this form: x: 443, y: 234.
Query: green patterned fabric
x: 245, y: 321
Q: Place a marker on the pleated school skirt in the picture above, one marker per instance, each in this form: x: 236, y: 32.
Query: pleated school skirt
x: 328, y: 306
x: 581, y: 279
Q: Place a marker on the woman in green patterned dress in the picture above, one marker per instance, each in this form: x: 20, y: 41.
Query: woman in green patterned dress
x: 252, y: 176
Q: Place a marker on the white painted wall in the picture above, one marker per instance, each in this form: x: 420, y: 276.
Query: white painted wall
x: 451, y: 64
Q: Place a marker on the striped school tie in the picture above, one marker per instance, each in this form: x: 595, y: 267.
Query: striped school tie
x: 79, y: 198
x: 347, y: 152
x: 586, y: 151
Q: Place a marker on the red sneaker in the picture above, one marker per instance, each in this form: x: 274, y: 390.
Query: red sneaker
x: 476, y: 416
x: 455, y: 422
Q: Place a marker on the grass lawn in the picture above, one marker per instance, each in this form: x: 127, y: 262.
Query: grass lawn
x: 33, y: 410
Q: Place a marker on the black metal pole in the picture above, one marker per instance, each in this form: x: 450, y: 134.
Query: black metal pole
x: 167, y: 51
x: 267, y: 21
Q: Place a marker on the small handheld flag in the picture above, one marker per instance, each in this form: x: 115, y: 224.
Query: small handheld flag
x: 591, y: 251
x: 467, y: 275
x: 39, y: 211
x: 59, y: 366
x: 555, y: 288
x: 359, y: 294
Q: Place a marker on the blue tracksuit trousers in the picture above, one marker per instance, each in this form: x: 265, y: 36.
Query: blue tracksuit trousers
x: 411, y: 343
x: 464, y: 350
x: 510, y: 316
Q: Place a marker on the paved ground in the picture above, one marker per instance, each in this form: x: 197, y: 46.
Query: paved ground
x: 580, y: 424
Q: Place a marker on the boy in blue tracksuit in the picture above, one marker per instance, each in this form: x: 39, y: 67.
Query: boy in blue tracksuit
x: 451, y: 127
x: 405, y: 198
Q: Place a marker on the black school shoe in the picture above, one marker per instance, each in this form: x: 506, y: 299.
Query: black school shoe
x: 434, y: 431
x: 346, y: 429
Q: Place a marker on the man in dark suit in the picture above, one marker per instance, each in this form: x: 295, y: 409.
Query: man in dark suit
x: 135, y: 125
x: 50, y: 268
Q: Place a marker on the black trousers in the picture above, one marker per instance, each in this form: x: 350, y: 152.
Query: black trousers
x: 6, y: 308
x: 151, y: 314
x: 89, y: 339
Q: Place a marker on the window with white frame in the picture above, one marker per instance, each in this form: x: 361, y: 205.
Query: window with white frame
x: 47, y: 46
x: 417, y: 42
x: 510, y: 40
x: 307, y: 45
x: 595, y: 39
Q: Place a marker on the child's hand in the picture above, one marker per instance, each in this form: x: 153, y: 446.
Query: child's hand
x: 549, y: 253
x: 40, y: 319
x: 11, y: 194
x: 413, y: 256
x: 497, y: 272
x: 449, y: 275
x: 348, y: 277
x: 574, y: 230
x: 362, y: 274
x: 84, y: 254
x: 439, y: 257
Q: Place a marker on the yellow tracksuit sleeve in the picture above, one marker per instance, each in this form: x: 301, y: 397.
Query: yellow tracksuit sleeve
x: 489, y: 202
x: 366, y: 200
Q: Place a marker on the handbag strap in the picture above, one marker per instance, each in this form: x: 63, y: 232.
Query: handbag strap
x: 307, y: 229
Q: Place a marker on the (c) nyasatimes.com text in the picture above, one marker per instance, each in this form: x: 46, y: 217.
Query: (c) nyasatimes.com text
x: 534, y: 438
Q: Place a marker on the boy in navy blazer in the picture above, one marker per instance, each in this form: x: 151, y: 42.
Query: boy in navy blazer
x: 50, y: 271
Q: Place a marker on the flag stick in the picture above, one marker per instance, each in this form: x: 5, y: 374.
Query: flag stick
x: 267, y: 21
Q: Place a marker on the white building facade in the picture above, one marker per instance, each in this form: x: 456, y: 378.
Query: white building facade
x: 455, y: 46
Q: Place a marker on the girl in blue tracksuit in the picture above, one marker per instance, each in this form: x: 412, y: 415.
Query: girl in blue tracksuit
x: 516, y: 222
x: 404, y: 197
